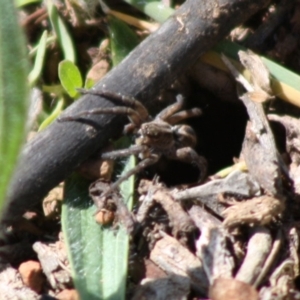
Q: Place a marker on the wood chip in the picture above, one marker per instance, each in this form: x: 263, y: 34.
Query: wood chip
x: 173, y: 258
x: 225, y: 289
x: 259, y: 211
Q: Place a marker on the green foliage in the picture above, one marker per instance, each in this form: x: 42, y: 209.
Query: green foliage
x: 98, y: 255
x: 71, y: 80
x: 20, y: 3
x: 154, y: 9
x: 279, y: 72
x: 53, y: 115
x: 122, y: 39
x: 61, y: 31
x: 39, y: 60
x: 70, y: 77
x: 13, y: 93
x: 55, y: 89
x: 89, y: 83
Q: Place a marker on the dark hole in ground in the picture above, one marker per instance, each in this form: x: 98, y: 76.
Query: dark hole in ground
x: 220, y: 131
x: 297, y: 282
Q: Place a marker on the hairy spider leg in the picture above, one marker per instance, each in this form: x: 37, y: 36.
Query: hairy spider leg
x: 171, y: 109
x: 119, y: 110
x: 133, y: 150
x: 182, y: 115
x: 138, y: 168
x: 126, y: 100
x: 189, y: 155
x: 137, y: 115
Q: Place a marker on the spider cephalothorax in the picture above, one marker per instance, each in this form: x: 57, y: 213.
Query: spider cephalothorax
x: 156, y: 137
x: 164, y: 137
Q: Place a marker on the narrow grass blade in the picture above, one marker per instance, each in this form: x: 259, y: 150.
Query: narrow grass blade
x: 14, y: 93
x: 50, y: 39
x: 39, y: 60
x: 54, y: 114
x: 61, y: 31
x: 285, y: 83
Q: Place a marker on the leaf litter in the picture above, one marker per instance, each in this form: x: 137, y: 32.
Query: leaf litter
x: 235, y: 237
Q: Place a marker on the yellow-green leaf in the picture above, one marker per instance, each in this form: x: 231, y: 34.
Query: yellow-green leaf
x: 39, y: 60
x: 70, y: 77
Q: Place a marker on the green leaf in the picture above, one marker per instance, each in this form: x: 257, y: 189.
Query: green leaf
x: 39, y: 60
x: 14, y: 92
x: 83, y: 237
x: 61, y: 32
x: 154, y: 9
x: 54, y: 114
x: 98, y: 255
x: 122, y: 39
x: 115, y: 269
x: 70, y: 77
x: 20, y: 3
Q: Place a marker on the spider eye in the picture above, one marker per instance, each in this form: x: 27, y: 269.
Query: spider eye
x: 153, y: 135
x: 150, y: 131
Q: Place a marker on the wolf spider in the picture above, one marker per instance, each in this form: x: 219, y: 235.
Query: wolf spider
x: 156, y: 137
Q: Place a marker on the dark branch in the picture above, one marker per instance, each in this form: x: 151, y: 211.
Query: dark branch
x: 152, y: 66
